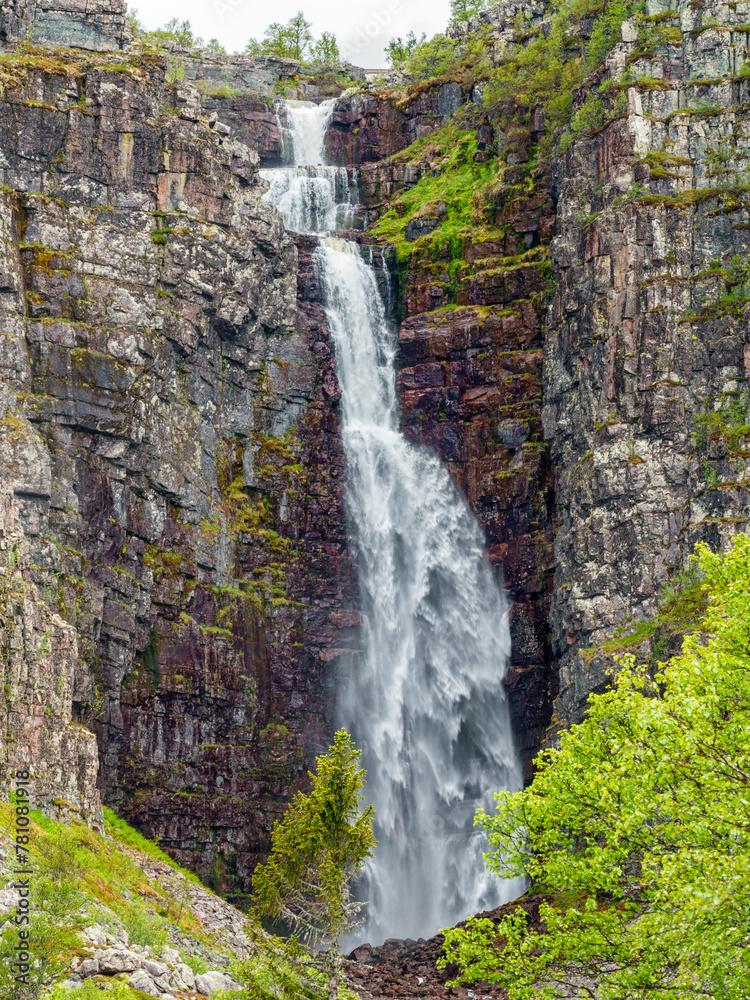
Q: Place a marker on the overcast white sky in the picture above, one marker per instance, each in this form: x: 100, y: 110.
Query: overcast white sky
x: 362, y: 27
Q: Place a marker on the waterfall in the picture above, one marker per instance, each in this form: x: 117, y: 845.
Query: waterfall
x: 426, y: 702
x: 312, y: 196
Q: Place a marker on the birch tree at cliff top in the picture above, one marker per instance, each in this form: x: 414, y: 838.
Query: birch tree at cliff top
x: 636, y: 831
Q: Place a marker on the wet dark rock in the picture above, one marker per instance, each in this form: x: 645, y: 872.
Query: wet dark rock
x: 420, y: 227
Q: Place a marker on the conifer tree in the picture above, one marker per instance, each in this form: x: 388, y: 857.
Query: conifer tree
x: 316, y: 849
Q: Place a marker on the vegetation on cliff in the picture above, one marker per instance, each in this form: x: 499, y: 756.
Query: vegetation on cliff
x: 637, y: 828
x: 466, y: 185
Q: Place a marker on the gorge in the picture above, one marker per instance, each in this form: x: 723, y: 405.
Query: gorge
x: 426, y: 699
x: 324, y: 408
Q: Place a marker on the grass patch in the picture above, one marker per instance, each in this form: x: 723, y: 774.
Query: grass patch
x: 682, y: 606
x: 457, y: 183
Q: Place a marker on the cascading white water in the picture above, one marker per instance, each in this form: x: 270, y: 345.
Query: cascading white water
x: 312, y: 196
x: 426, y: 702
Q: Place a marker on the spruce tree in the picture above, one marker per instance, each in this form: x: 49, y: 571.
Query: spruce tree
x: 316, y: 850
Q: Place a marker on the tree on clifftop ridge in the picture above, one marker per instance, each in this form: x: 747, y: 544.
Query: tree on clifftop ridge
x: 294, y: 40
x: 316, y: 850
x: 636, y: 831
x: 462, y: 10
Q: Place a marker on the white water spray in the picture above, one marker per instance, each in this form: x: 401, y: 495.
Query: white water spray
x: 312, y: 197
x: 426, y: 702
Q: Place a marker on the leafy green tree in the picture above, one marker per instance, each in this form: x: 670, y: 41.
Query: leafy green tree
x: 174, y: 32
x: 400, y: 50
x: 292, y: 40
x: 278, y: 42
x: 178, y: 32
x: 215, y: 48
x: 326, y: 49
x: 637, y: 829
x: 300, y: 36
x: 135, y: 23
x: 318, y: 847
x: 462, y: 10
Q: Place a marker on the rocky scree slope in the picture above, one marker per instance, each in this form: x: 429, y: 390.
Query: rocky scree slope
x: 126, y: 918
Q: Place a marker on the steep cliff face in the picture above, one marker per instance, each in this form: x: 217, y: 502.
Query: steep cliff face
x: 368, y: 127
x: 646, y: 356
x: 573, y: 343
x: 99, y: 25
x: 640, y: 307
x: 172, y: 455
x: 38, y: 667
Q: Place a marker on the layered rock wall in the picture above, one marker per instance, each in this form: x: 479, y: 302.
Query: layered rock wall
x: 38, y: 671
x: 647, y: 336
x: 369, y: 126
x: 100, y: 25
x: 170, y: 444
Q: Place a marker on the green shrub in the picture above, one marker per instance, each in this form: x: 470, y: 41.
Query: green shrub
x: 636, y: 830
x: 144, y: 928
x: 547, y: 72
x: 729, y: 423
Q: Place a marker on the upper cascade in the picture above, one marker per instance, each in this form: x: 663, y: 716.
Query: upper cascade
x: 313, y: 197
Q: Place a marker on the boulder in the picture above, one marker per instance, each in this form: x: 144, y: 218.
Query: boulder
x: 116, y: 960
x: 214, y: 982
x: 140, y: 980
x: 8, y: 901
x: 183, y: 978
x: 88, y: 967
x: 155, y: 969
x: 96, y: 935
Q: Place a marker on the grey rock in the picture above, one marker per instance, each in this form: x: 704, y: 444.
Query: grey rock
x: 213, y: 982
x: 183, y: 977
x: 96, y: 934
x: 513, y: 433
x: 8, y: 900
x: 115, y: 960
x: 88, y: 967
x: 420, y: 227
x: 140, y: 980
x: 154, y: 969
